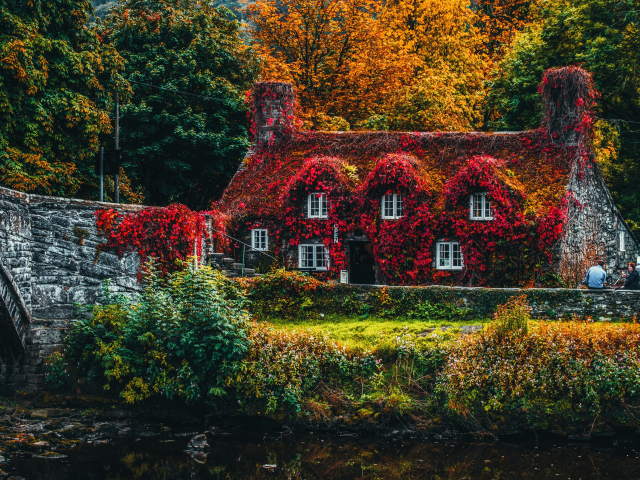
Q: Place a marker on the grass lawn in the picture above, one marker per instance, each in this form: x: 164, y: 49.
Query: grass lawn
x: 363, y: 333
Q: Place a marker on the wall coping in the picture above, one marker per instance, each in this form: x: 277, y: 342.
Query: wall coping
x: 512, y: 289
x: 30, y: 198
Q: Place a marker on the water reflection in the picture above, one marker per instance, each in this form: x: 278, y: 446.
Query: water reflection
x: 331, y: 457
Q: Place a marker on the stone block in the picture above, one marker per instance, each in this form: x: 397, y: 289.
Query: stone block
x: 49, y: 295
x: 54, y: 312
x: 34, y: 379
x: 83, y: 295
x: 66, y: 263
x: 62, y: 221
x: 109, y: 260
x: 31, y: 369
x: 132, y: 264
x: 96, y: 271
x: 43, y: 336
x: 128, y: 283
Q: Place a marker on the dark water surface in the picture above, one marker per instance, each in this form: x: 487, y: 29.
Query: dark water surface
x: 308, y: 456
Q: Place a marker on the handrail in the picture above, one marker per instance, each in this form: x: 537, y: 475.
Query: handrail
x: 243, y: 248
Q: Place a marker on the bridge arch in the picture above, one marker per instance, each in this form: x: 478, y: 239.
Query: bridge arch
x: 14, y: 317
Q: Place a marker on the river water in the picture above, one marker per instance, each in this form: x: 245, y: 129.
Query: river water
x: 307, y: 456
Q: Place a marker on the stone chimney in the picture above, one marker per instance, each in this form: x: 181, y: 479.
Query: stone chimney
x: 568, y: 96
x: 273, y: 112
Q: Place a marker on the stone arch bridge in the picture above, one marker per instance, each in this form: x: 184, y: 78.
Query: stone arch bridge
x: 48, y: 265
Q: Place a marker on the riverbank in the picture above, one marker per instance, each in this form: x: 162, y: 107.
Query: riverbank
x: 194, y: 340
x: 83, y: 434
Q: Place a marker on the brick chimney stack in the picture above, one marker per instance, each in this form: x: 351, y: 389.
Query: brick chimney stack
x: 273, y: 112
x: 568, y: 96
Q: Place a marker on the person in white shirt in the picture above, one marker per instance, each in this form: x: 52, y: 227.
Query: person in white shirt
x: 596, y: 277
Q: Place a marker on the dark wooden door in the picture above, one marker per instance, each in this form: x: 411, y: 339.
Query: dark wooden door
x: 361, y: 262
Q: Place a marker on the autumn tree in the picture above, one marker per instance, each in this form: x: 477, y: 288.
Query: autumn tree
x: 337, y: 53
x: 403, y: 65
x: 446, y: 89
x: 604, y: 38
x: 183, y: 133
x: 57, y: 80
x: 500, y: 20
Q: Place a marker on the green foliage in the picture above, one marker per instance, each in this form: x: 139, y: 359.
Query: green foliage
x: 57, y: 80
x: 55, y: 370
x: 180, y: 341
x: 182, y: 147
x: 602, y: 36
x: 512, y: 318
x: 296, y: 296
x: 429, y: 311
x: 284, y: 366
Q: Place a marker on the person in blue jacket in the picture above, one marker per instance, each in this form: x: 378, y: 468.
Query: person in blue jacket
x: 632, y: 280
x: 596, y: 277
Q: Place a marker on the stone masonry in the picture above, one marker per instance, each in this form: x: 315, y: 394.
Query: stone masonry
x: 48, y: 266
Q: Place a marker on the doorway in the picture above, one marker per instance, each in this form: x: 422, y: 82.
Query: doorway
x: 362, y: 264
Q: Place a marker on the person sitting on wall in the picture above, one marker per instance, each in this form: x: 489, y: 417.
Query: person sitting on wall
x: 632, y: 281
x: 596, y: 277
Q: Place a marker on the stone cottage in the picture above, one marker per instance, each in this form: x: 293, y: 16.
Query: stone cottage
x: 495, y: 209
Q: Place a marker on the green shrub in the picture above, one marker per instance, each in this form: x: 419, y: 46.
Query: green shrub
x: 180, y: 341
x: 284, y: 366
x: 56, y: 370
x: 439, y: 311
x: 512, y: 318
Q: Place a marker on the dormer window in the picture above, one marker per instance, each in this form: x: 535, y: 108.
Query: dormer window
x: 449, y: 256
x: 480, y: 207
x: 259, y: 239
x: 318, y: 205
x: 391, y: 206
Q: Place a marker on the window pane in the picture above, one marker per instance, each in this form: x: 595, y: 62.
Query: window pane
x: 314, y: 205
x: 477, y: 206
x: 398, y: 212
x: 444, y: 255
x: 306, y: 252
x: 263, y: 239
x: 457, y: 255
x: 323, y: 203
x: 320, y: 257
x: 387, y: 202
x: 488, y: 213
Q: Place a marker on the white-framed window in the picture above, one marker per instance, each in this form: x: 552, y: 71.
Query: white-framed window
x: 318, y: 205
x: 391, y: 206
x: 449, y: 256
x: 313, y: 256
x: 622, y: 241
x: 480, y: 207
x: 259, y: 239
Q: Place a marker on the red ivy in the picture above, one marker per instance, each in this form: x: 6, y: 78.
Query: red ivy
x: 402, y: 246
x: 165, y: 234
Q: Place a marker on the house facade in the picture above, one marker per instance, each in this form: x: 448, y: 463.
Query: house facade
x: 453, y: 208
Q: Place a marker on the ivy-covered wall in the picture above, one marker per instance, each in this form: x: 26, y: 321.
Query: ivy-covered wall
x: 551, y: 214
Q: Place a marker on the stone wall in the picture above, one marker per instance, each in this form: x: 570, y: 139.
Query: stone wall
x: 48, y: 265
x: 48, y: 247
x: 594, y: 227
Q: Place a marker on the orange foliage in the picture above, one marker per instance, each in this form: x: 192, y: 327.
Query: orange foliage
x: 403, y: 65
x: 500, y: 20
x: 337, y: 53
